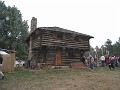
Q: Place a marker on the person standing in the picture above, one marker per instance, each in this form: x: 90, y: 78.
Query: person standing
x: 1, y: 73
x: 103, y: 60
x: 111, y: 63
x: 118, y: 61
x: 91, y: 63
x: 107, y: 60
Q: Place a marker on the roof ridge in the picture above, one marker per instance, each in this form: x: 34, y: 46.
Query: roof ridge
x: 59, y: 29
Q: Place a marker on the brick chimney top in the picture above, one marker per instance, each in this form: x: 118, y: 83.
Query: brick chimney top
x: 33, y: 24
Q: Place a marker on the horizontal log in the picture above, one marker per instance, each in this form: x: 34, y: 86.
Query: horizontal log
x: 51, y: 62
x: 68, y: 59
x: 47, y: 39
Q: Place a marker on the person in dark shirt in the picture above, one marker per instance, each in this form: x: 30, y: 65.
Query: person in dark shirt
x: 1, y: 73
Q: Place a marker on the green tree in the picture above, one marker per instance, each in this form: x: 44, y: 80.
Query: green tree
x: 109, y: 46
x: 116, y: 48
x: 13, y: 30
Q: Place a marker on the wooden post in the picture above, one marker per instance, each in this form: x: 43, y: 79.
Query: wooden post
x: 12, y: 54
x: 8, y: 62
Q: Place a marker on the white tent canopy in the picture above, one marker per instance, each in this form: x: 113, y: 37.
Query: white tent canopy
x: 3, y: 53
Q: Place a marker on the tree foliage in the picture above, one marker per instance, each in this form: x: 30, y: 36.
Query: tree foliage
x: 107, y: 49
x: 113, y: 49
x: 13, y: 30
x: 116, y: 48
x: 109, y: 46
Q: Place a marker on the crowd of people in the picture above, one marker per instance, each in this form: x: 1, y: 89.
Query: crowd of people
x: 110, y: 61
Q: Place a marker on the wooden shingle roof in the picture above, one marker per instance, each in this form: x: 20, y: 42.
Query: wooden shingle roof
x: 58, y: 29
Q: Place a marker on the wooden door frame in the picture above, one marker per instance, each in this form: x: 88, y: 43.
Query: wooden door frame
x: 60, y: 61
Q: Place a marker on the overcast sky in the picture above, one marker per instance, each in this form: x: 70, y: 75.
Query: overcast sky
x: 98, y: 18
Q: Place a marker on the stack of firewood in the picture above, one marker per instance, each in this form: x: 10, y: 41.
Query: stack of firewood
x: 43, y: 65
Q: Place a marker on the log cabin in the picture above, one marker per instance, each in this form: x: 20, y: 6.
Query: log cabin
x: 56, y: 45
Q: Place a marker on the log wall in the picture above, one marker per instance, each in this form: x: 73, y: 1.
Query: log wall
x: 49, y: 40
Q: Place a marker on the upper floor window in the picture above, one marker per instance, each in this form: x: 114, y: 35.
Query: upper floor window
x: 60, y: 36
x: 54, y: 35
x: 68, y: 36
x: 78, y: 38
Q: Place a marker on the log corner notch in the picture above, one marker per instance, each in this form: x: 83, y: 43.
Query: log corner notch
x: 56, y: 45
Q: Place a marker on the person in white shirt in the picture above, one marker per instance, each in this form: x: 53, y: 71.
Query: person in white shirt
x: 91, y: 63
x: 102, y: 60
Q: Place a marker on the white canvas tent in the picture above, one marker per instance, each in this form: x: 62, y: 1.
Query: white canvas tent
x: 3, y: 53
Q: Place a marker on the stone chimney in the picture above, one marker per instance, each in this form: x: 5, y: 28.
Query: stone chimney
x: 33, y: 24
x: 33, y: 27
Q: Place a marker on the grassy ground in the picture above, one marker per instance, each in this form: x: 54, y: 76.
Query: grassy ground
x: 62, y: 79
